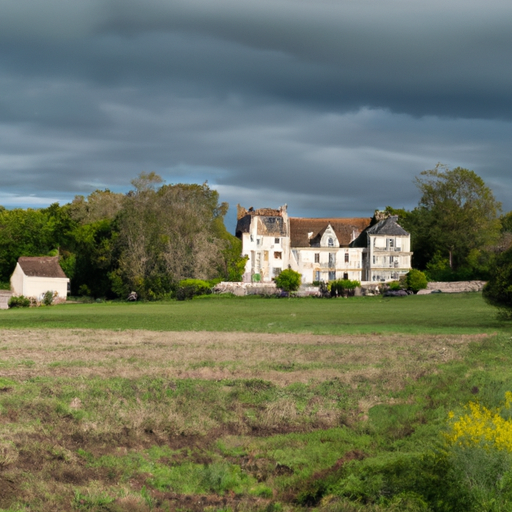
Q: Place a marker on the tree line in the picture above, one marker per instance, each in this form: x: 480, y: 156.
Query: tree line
x: 156, y: 235
x: 458, y: 229
x: 145, y: 241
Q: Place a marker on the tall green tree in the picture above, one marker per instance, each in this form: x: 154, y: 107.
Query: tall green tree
x: 460, y: 212
x: 166, y: 234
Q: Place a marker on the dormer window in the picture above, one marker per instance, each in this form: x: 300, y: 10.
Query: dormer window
x: 330, y: 242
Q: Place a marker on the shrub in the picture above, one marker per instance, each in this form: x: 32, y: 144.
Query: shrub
x: 395, y: 286
x: 416, y: 280
x: 48, y: 297
x: 19, y: 301
x: 189, y: 288
x: 343, y: 287
x: 498, y: 290
x: 288, y: 280
x: 84, y: 290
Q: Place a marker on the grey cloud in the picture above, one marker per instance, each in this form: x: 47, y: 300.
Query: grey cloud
x: 332, y: 107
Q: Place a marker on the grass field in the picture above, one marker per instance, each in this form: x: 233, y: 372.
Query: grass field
x: 248, y: 405
x: 438, y: 313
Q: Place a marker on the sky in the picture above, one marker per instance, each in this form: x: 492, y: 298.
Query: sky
x: 333, y: 107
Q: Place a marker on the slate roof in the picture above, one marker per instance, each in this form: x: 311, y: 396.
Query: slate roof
x: 44, y: 266
x: 386, y: 227
x: 344, y: 229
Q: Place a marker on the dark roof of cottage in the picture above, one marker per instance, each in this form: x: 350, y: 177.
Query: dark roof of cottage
x: 388, y: 226
x: 344, y: 229
x: 41, y: 266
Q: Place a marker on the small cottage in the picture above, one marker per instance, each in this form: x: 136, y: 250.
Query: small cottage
x: 34, y: 276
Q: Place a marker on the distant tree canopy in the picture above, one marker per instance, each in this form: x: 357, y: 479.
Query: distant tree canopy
x: 144, y: 241
x: 456, y: 228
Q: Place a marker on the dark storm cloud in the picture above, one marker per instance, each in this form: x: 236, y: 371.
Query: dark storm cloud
x: 332, y: 107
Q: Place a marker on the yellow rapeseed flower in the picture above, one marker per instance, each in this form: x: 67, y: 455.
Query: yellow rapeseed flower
x: 482, y: 425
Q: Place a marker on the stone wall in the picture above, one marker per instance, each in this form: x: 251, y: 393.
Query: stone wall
x: 241, y: 289
x: 453, y: 287
x: 5, y: 295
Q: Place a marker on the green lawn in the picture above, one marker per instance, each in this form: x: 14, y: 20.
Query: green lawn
x: 439, y: 313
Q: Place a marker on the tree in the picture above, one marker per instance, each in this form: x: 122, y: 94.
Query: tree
x: 165, y: 235
x: 498, y: 290
x: 416, y: 280
x: 458, y: 213
x: 288, y: 280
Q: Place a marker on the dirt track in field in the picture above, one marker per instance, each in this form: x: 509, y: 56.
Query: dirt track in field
x: 279, y: 358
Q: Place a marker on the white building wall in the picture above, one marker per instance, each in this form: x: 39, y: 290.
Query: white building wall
x: 38, y: 286
x: 328, y: 263
x: 389, y: 257
x: 268, y: 255
x: 17, y: 280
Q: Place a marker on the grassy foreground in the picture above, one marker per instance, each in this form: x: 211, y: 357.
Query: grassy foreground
x: 328, y: 405
x: 438, y: 313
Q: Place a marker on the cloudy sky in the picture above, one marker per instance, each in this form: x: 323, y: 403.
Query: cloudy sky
x: 330, y: 106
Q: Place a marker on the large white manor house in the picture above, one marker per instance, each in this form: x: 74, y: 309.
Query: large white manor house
x: 362, y: 249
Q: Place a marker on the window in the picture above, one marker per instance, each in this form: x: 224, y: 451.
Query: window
x: 332, y: 275
x: 391, y: 243
x: 252, y: 238
x: 276, y: 271
x: 277, y: 240
x: 345, y: 275
x: 317, y: 275
x: 330, y: 242
x: 332, y: 259
x: 346, y: 257
x: 278, y: 255
x: 374, y: 260
x: 317, y: 258
x: 258, y: 241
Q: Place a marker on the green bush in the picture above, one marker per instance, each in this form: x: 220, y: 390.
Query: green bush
x: 189, y: 288
x: 498, y: 290
x: 288, y: 280
x: 395, y: 286
x: 48, y: 297
x: 416, y: 280
x: 19, y: 301
x: 343, y: 287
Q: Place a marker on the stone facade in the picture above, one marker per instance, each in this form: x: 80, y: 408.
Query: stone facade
x: 325, y: 249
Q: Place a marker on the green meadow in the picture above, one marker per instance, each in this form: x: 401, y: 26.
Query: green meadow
x: 252, y: 404
x: 438, y: 313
